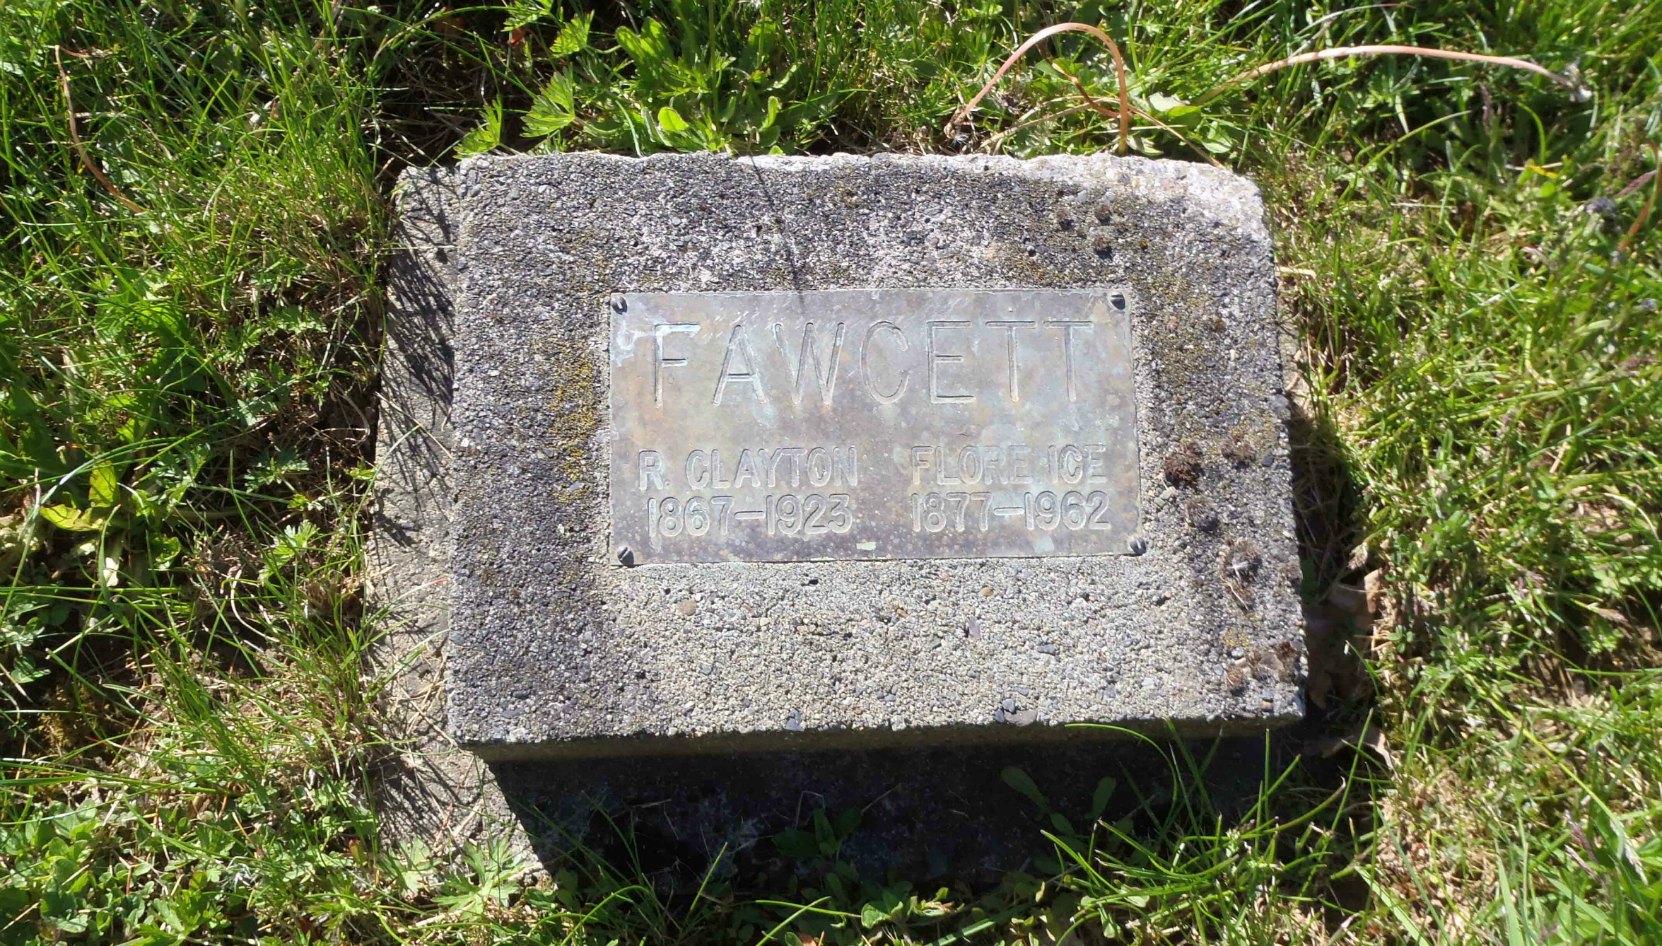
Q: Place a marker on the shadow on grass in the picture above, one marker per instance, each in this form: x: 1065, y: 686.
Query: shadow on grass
x: 1244, y: 836
x: 942, y: 816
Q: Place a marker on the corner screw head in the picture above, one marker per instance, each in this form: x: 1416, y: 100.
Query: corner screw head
x: 625, y: 555
x: 619, y: 304
x: 1137, y: 545
x: 1117, y: 300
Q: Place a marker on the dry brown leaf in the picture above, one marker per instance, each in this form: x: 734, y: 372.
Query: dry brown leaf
x: 1363, y: 736
x: 1373, y: 589
x: 1318, y: 685
x: 1352, y: 601
x: 1373, y: 738
x: 1335, y: 667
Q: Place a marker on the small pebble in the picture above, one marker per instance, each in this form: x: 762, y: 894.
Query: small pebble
x: 1102, y: 242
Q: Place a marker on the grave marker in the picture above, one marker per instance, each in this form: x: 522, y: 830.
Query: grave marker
x: 837, y: 451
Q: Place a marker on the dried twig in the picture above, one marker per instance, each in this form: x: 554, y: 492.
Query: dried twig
x: 1634, y: 185
x: 1650, y: 204
x: 80, y: 149
x: 1084, y: 93
x: 1026, y: 122
x: 1578, y: 90
x: 1122, y: 118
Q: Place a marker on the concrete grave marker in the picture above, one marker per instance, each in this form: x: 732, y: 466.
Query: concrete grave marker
x: 856, y: 451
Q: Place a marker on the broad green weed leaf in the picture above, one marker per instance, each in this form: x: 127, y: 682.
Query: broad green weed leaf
x: 671, y: 121
x: 135, y: 301
x: 763, y: 37
x: 553, y: 109
x: 824, y: 834
x: 1023, y: 783
x: 574, y: 36
x: 72, y: 519
x: 649, y: 48
x: 523, y: 13
x: 846, y: 821
x: 103, y: 484
x: 274, y: 467
x: 1099, y: 798
x: 164, y: 550
x: 133, y: 430
x: 485, y: 136
x: 23, y: 670
x: 1161, y: 102
x: 871, y: 916
x: 796, y: 843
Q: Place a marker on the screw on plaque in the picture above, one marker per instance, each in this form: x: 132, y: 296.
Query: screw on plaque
x: 1137, y: 545
x: 625, y: 555
x: 1117, y: 300
x: 619, y: 303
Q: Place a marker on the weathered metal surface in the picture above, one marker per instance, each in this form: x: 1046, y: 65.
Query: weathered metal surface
x: 871, y: 424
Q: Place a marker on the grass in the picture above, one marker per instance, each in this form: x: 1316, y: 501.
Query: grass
x: 186, y: 397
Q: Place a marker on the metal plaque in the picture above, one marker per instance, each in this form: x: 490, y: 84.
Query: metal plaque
x: 871, y: 424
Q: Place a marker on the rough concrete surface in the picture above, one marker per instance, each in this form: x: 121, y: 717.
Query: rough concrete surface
x: 556, y: 648
x: 428, y: 789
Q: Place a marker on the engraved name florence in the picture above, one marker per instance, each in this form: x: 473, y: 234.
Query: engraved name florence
x: 871, y: 424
